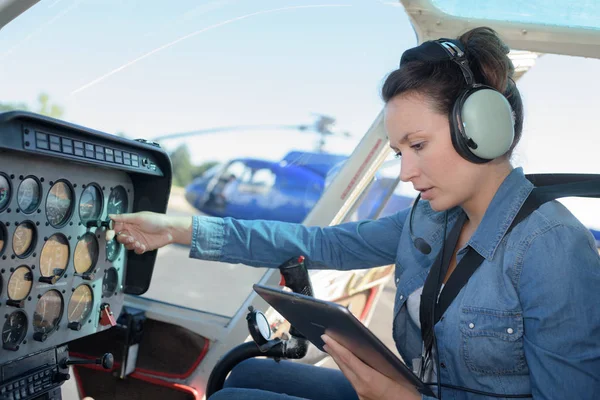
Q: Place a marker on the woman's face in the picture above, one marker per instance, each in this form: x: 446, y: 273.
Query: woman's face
x: 428, y: 159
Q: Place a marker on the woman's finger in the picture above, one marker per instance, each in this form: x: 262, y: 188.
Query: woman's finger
x: 118, y: 226
x: 345, y: 368
x: 110, y: 234
x: 138, y: 248
x: 347, y: 356
x: 125, y: 238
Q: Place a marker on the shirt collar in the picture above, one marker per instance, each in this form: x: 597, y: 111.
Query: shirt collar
x: 501, y: 212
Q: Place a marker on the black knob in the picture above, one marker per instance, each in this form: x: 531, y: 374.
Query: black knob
x: 75, y: 326
x: 90, y: 224
x: 15, y: 303
x: 107, y: 361
x: 48, y: 279
x: 61, y: 377
x: 88, y: 276
x: 40, y: 336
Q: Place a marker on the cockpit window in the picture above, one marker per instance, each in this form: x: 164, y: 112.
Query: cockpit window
x: 582, y: 14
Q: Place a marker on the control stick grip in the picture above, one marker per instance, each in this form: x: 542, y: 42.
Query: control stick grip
x: 295, y: 276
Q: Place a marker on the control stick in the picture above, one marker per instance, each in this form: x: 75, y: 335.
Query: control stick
x: 295, y: 276
x: 107, y: 361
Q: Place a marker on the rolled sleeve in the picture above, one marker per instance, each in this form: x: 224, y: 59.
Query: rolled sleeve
x: 260, y: 243
x: 207, y: 238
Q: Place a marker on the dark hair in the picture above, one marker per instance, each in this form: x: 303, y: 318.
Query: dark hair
x: 441, y: 82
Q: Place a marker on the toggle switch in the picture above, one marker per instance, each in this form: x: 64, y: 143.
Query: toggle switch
x: 106, y: 316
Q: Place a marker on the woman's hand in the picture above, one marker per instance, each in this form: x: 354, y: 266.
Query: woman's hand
x: 368, y: 383
x: 146, y: 231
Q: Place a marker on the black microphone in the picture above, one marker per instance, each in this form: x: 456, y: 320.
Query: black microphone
x: 418, y: 242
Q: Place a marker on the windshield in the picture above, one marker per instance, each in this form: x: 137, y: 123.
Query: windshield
x: 581, y: 14
x: 245, y: 95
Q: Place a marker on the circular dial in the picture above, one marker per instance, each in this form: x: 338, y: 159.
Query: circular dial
x: 23, y: 239
x: 80, y: 305
x: 258, y: 325
x: 3, y: 238
x: 20, y: 283
x: 28, y: 195
x: 59, y: 203
x: 113, y: 248
x: 117, y: 201
x: 48, y: 312
x: 86, y: 253
x: 110, y: 282
x: 263, y: 325
x: 90, y: 204
x: 4, y: 192
x: 14, y: 329
x: 55, y: 256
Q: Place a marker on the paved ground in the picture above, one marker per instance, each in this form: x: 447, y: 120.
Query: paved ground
x: 203, y: 286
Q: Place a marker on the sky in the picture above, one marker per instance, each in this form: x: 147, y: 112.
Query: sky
x: 148, y: 68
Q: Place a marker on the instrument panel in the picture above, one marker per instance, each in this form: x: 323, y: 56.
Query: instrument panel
x: 58, y: 272
x: 60, y: 280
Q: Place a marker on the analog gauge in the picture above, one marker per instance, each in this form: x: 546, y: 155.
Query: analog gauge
x: 117, y: 201
x: 113, y: 249
x: 86, y: 253
x: 110, y: 282
x: 90, y: 204
x: 14, y: 330
x: 20, y: 283
x: 55, y: 256
x: 48, y: 312
x: 4, y: 192
x: 3, y: 237
x: 29, y: 195
x: 80, y: 305
x: 59, y: 203
x: 24, y: 239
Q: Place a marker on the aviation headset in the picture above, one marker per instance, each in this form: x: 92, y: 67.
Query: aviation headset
x: 481, y: 121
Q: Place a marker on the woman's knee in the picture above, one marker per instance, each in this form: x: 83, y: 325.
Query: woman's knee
x: 247, y: 373
x: 227, y: 394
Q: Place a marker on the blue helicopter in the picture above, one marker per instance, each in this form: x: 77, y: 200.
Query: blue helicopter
x: 286, y: 190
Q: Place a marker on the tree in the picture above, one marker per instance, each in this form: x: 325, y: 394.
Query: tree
x: 183, y: 169
x: 44, y: 107
x: 182, y: 166
x: 51, y: 110
x: 202, y: 168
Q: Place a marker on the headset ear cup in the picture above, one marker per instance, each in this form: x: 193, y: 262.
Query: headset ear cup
x: 483, y: 124
x: 456, y: 132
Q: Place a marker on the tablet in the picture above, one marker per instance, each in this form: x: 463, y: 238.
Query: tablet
x: 314, y: 317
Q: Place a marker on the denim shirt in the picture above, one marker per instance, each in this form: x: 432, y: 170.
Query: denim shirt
x: 527, y: 321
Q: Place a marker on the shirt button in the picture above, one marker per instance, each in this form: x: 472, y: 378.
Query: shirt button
x: 443, y: 365
x: 397, y: 280
x: 510, y: 331
x: 401, y: 297
x: 471, y: 325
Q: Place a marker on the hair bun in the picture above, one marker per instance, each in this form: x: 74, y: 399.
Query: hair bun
x: 487, y: 56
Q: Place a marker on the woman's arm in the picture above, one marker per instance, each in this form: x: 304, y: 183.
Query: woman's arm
x: 560, y: 295
x: 353, y: 245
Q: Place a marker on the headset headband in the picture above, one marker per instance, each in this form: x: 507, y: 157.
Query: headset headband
x: 440, y: 50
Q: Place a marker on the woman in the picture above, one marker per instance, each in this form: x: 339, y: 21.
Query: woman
x: 526, y: 322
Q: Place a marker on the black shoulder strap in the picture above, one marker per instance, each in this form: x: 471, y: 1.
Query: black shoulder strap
x: 472, y: 260
x: 548, y: 187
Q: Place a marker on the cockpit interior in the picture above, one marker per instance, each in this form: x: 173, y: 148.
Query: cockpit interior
x: 61, y: 282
